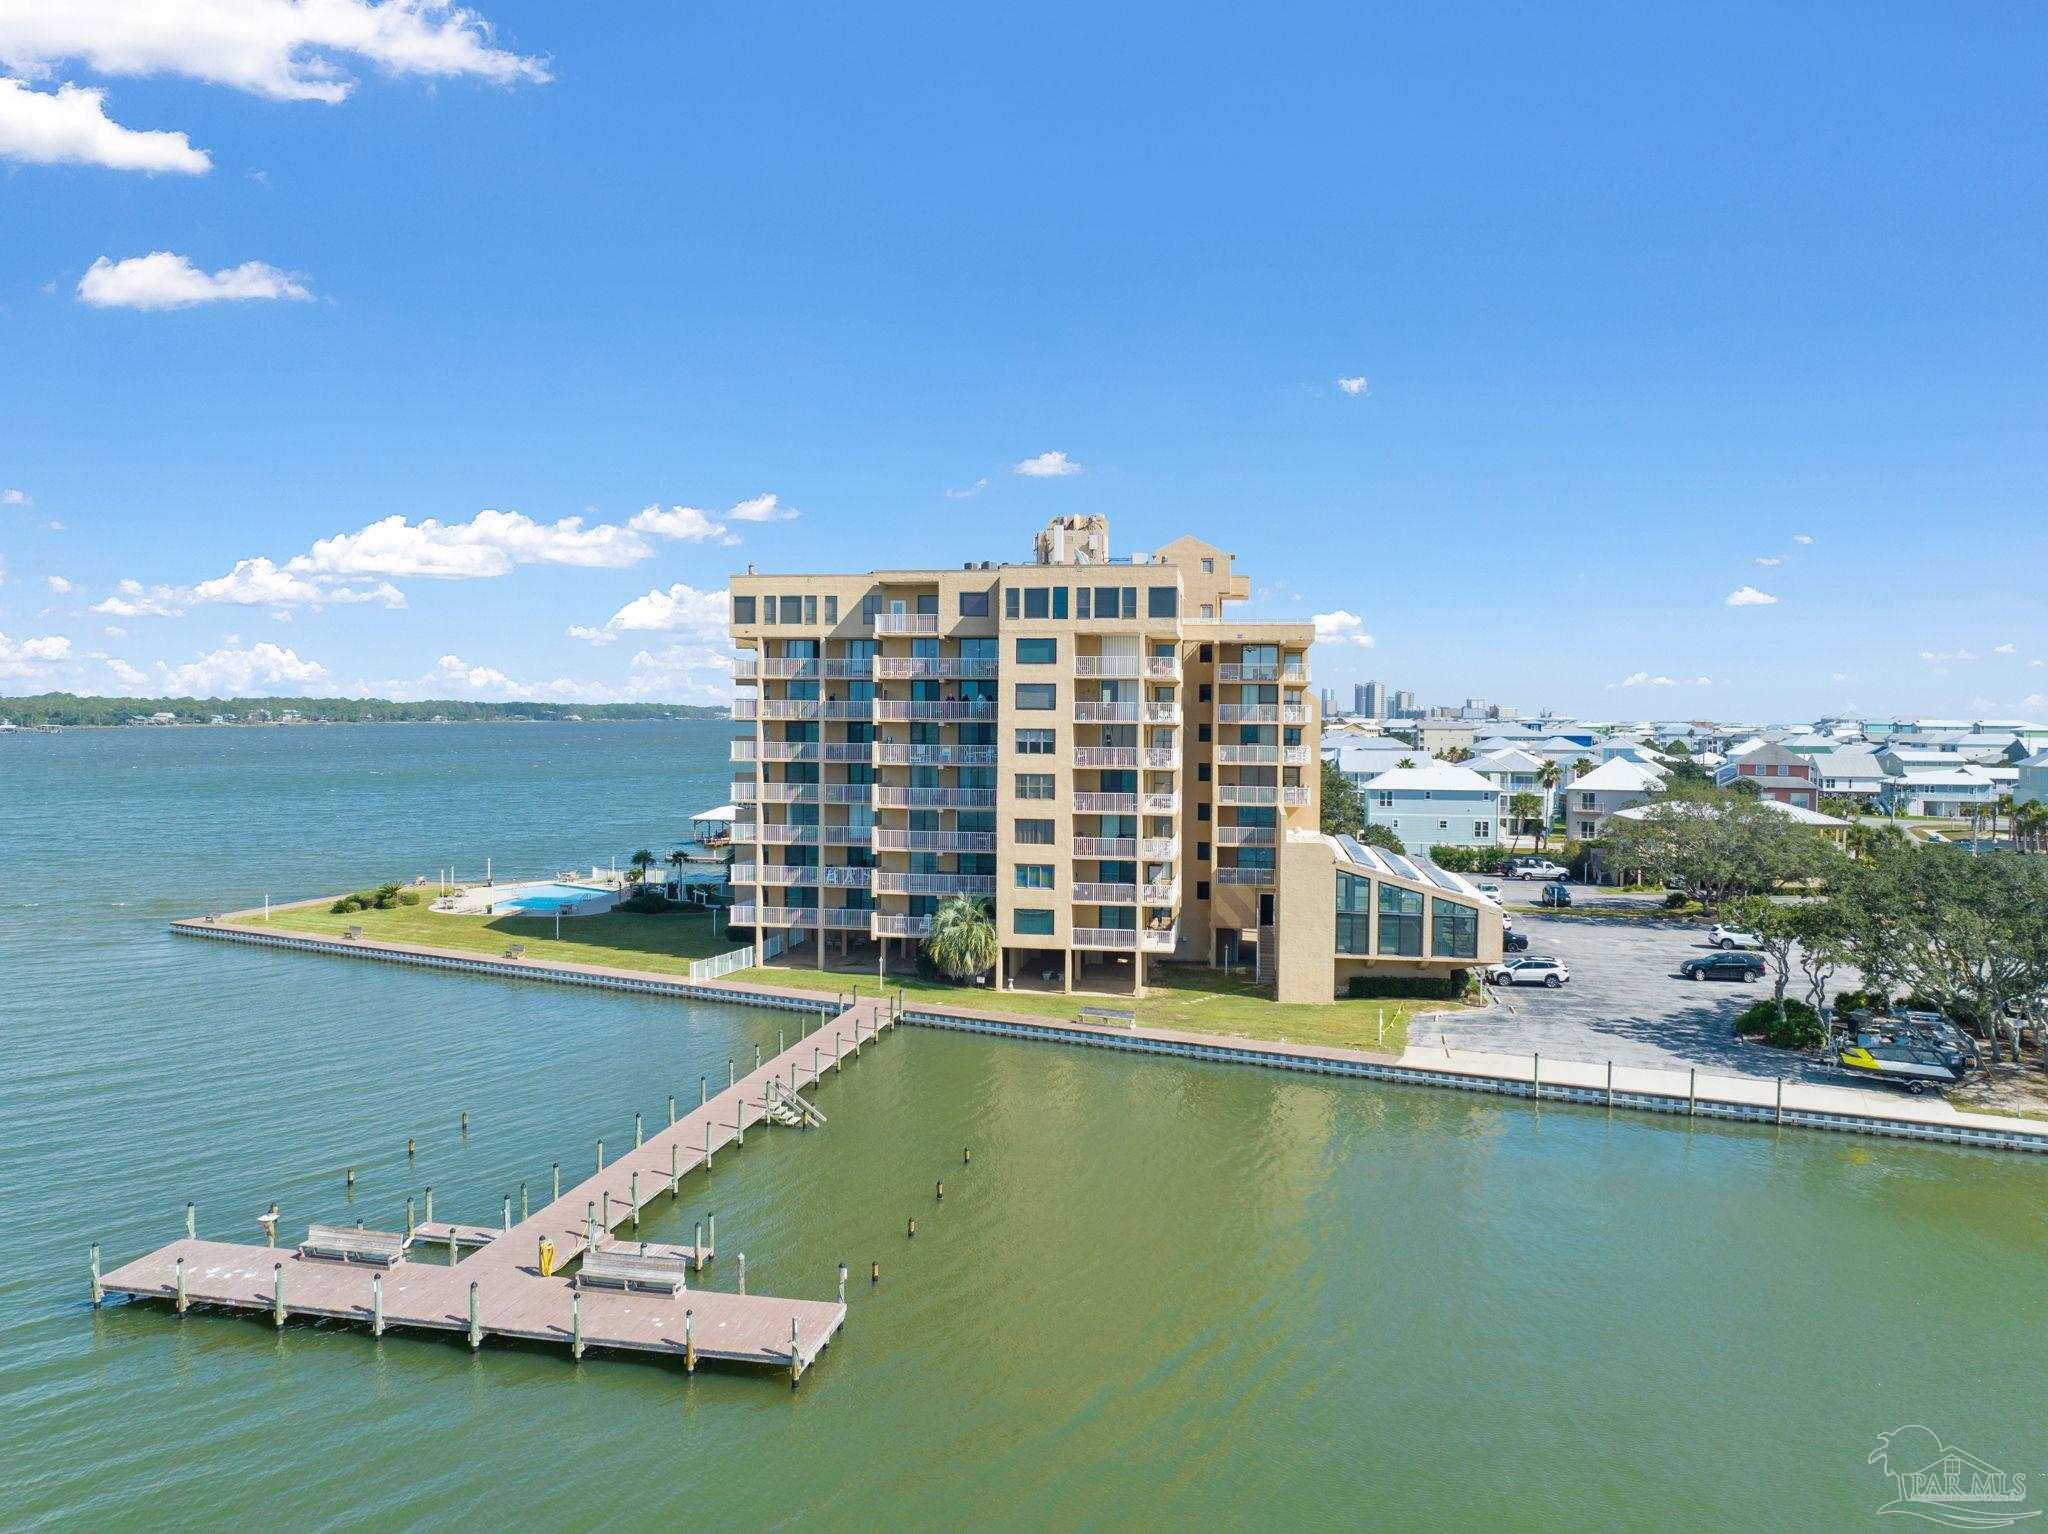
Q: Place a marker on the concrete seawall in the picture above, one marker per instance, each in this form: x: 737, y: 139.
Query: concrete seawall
x: 1737, y: 1099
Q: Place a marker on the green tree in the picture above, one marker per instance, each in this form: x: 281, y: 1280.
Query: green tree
x: 641, y: 861
x: 1777, y: 928
x: 1722, y: 845
x: 1343, y: 809
x: 1381, y: 836
x: 963, y: 940
x: 1526, y: 809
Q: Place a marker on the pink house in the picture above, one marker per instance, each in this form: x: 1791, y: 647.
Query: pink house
x: 1775, y: 773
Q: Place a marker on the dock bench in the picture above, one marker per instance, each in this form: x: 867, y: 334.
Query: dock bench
x: 342, y: 1243
x: 1120, y: 1017
x: 623, y: 1268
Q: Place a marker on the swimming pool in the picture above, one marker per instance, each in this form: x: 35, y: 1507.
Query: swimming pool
x: 548, y: 896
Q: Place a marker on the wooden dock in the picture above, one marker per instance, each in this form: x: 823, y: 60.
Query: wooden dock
x: 497, y: 1290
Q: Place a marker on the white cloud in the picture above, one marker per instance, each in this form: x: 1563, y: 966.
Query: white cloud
x: 1802, y: 537
x: 16, y: 498
x: 58, y: 584
x: 53, y: 525
x: 589, y: 635
x: 682, y: 524
x: 1354, y: 386
x: 128, y: 676
x: 70, y: 126
x: 163, y: 280
x: 490, y: 544
x: 1048, y: 466
x: 1341, y: 627
x: 228, y: 671
x: 1644, y: 679
x: 2034, y: 700
x: 2038, y: 662
x: 291, y: 50
x: 1770, y: 559
x: 1703, y: 681
x: 1943, y: 657
x: 970, y: 492
x: 679, y: 609
x: 259, y: 583
x: 134, y: 600
x: 763, y: 508
x: 1749, y: 596
x: 681, y: 673
x: 1840, y: 676
x: 114, y: 631
x: 25, y: 658
x: 2005, y: 649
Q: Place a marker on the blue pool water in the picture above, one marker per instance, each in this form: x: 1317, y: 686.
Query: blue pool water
x: 545, y: 897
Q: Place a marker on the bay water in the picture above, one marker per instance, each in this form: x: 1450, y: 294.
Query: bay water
x: 1163, y: 1294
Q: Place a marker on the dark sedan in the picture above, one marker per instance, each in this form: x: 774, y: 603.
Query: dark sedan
x: 1724, y: 966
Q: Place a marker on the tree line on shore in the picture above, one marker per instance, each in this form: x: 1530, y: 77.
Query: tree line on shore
x: 74, y: 709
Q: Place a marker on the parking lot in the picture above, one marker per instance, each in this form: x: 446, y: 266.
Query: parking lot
x: 1626, y: 1001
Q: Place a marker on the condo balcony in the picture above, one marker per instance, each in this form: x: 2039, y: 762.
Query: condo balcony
x: 1162, y: 758
x: 846, y: 917
x: 1162, y: 939
x: 849, y: 670
x: 896, y: 668
x: 1259, y: 794
x: 887, y: 883
x: 1263, y: 756
x: 746, y: 708
x: 1162, y: 713
x: 1242, y: 875
x: 743, y: 791
x: 782, y: 835
x: 1106, y: 894
x: 753, y: 668
x: 1161, y: 804
x: 1159, y: 849
x: 935, y: 756
x: 1244, y: 836
x: 1106, y: 756
x: 894, y: 709
x: 774, y: 873
x: 849, y: 878
x: 889, y: 797
x: 846, y: 836
x: 848, y: 793
x: 1153, y: 939
x: 1262, y: 713
x: 1108, y: 665
x: 1120, y: 847
x: 776, y: 793
x: 1106, y: 713
x: 1164, y: 892
x: 847, y: 751
x: 889, y: 839
x: 1105, y: 804
x: 1292, y: 673
x: 906, y: 623
x: 781, y: 751
x: 902, y: 926
x: 743, y: 751
x: 1162, y: 668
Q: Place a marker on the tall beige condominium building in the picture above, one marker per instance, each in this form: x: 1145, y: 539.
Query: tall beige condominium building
x: 1092, y: 744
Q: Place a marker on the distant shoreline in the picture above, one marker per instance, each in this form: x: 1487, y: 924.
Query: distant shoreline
x: 70, y: 711
x: 17, y: 727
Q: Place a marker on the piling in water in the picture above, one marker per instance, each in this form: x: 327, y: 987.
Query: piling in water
x: 277, y: 1293
x: 476, y: 1325
x: 376, y: 1304
x: 97, y: 1293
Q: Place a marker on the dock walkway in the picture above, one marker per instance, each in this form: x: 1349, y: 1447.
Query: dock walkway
x: 497, y: 1288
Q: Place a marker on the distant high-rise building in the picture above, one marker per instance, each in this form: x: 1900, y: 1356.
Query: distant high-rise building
x: 1329, y: 701
x: 1373, y: 700
x: 1404, y: 705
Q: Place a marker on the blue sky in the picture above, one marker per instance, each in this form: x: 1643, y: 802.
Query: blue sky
x: 1642, y: 296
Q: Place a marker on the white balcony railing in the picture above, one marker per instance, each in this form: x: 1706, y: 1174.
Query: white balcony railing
x: 888, y: 839
x: 1106, y: 894
x: 935, y: 756
x: 790, y: 751
x: 1162, y: 668
x: 1162, y: 713
x: 1242, y: 875
x: 1158, y: 849
x: 1105, y: 804
x: 1244, y: 836
x: 1162, y: 939
x: 1162, y: 804
x: 743, y: 791
x: 1125, y: 938
x: 847, y: 751
x: 775, y: 873
x: 1105, y: 847
x: 848, y: 708
x: 848, y: 793
x: 1166, y: 893
x: 899, y: 668
x: 902, y: 926
x: 784, y: 836
x: 894, y: 709
x: 1107, y: 665
x: 1162, y: 758
x: 787, y: 708
x: 846, y: 836
x: 906, y: 623
x: 743, y: 751
x: 887, y: 883
x: 1247, y: 756
x: 1106, y: 756
x: 890, y: 797
x: 849, y: 878
x: 746, y: 708
x: 1246, y: 793
x: 747, y: 668
x: 1106, y: 713
x: 849, y: 670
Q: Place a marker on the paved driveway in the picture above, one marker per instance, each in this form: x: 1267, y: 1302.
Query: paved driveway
x: 1625, y: 1002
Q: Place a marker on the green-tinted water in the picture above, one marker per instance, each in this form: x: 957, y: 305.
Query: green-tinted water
x: 1164, y: 1293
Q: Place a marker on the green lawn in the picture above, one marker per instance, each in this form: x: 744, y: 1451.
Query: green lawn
x: 1191, y: 1000
x: 664, y: 942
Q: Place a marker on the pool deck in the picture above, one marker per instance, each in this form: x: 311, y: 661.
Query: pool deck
x: 500, y: 1275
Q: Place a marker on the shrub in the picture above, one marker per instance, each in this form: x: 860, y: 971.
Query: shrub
x: 647, y: 902
x: 1449, y: 987
x: 1470, y: 860
x: 1859, y: 1001
x: 1800, y: 1028
x: 1677, y: 900
x: 348, y: 904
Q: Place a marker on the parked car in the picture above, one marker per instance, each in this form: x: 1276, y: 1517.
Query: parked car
x: 1554, y: 895
x: 1489, y: 889
x: 1541, y: 868
x: 1733, y: 937
x: 1724, y: 966
x: 1533, y: 970
x: 1514, y: 942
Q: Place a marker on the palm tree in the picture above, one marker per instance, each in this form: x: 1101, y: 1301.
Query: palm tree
x: 641, y: 861
x: 1524, y: 808
x: 1548, y: 777
x: 2003, y: 806
x: 676, y: 860
x: 963, y: 938
x: 1406, y: 761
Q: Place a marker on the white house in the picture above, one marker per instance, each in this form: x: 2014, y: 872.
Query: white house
x: 1614, y: 785
x: 1514, y: 771
x: 2032, y: 785
x: 1435, y: 804
x: 1951, y: 791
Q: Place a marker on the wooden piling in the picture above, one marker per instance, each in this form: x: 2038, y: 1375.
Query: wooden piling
x: 796, y: 1358
x: 633, y: 1191
x: 191, y: 1222
x: 911, y: 1235
x: 523, y: 1210
x: 743, y: 1272
x: 506, y: 1223
x: 1781, y: 1099
x: 1610, y: 1083
x: 350, y: 1182
x: 376, y: 1304
x: 97, y: 1293
x: 277, y: 1294
x: 1692, y: 1090
x: 555, y: 1171
x: 689, y: 1342
x: 707, y: 1142
x: 451, y: 1244
x: 675, y: 1164
x: 476, y: 1321
x: 842, y: 1283
x: 408, y: 1220
x: 636, y: 1131
x: 605, y: 1200
x: 714, y: 1234
x: 1535, y: 1075
x: 180, y: 1280
x: 430, y: 1203
x: 703, y: 1087
x: 671, y: 1109
x: 940, y: 1196
x: 697, y: 1245
x: 967, y: 1155
x: 268, y: 1220
x: 600, y: 1155
x: 465, y: 1123
x: 874, y: 1272
x: 576, y: 1323
x: 408, y: 1148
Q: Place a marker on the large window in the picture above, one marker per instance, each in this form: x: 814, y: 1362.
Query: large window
x: 974, y: 604
x: 1030, y: 923
x: 1038, y: 833
x: 1454, y: 930
x: 1037, y: 696
x: 1400, y: 922
x: 1035, y: 742
x: 1037, y: 602
x: 1034, y: 876
x: 1010, y: 602
x: 1162, y: 601
x: 742, y: 610
x: 793, y: 609
x: 1034, y: 785
x: 1354, y: 912
x: 1037, y: 652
